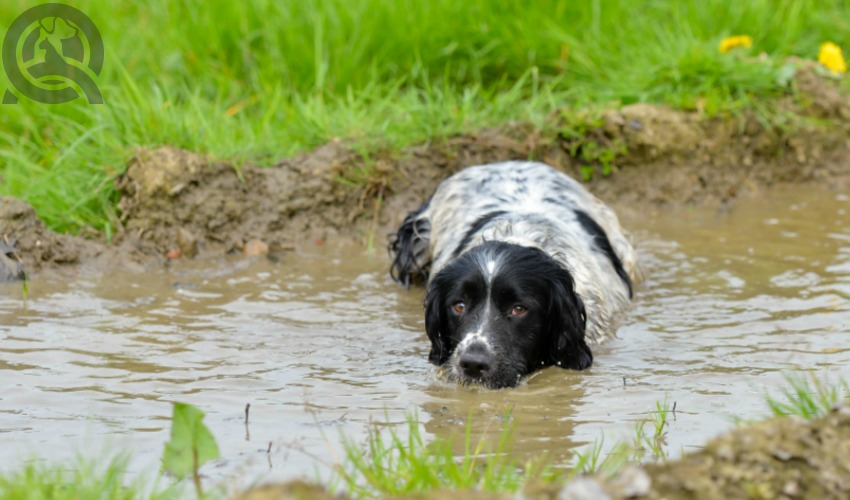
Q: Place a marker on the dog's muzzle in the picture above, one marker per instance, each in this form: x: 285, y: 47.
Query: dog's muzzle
x: 476, y: 360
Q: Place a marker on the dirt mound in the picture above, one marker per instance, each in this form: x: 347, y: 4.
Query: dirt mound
x: 176, y: 200
x: 26, y: 244
x: 28, y: 247
x: 780, y: 458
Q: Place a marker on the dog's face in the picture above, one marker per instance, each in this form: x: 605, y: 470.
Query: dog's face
x: 501, y: 311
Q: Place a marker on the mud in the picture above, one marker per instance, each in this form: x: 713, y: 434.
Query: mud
x: 28, y: 245
x: 177, y: 204
x: 782, y: 458
x: 176, y: 200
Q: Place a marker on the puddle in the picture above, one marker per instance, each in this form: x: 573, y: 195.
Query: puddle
x: 324, y: 344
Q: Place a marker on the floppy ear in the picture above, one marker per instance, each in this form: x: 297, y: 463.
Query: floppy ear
x: 410, y: 245
x: 568, y: 320
x: 436, y: 325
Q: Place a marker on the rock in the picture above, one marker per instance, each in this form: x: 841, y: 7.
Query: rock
x: 286, y: 491
x: 11, y: 268
x: 791, y: 489
x: 163, y: 171
x: 277, y: 249
x: 654, y: 131
x: 632, y: 482
x: 583, y: 488
x: 187, y: 242
x: 255, y: 247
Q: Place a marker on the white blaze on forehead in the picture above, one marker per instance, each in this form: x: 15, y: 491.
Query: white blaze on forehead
x: 489, y: 264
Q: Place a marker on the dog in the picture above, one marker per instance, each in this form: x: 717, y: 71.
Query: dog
x: 524, y: 268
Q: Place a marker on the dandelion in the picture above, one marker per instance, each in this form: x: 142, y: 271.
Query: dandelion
x: 831, y: 57
x: 731, y: 42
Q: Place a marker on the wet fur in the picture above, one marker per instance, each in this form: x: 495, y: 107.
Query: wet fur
x: 494, y: 236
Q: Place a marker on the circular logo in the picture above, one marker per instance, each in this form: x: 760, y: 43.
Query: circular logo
x: 51, y: 54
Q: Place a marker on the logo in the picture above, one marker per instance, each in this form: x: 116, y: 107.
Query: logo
x: 52, y: 54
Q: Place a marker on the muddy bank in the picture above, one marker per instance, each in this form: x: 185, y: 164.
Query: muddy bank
x: 780, y: 458
x: 27, y: 247
x: 177, y: 204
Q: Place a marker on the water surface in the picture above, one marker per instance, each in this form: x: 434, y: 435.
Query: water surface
x: 324, y: 344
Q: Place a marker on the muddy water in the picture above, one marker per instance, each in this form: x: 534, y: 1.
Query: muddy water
x: 323, y: 344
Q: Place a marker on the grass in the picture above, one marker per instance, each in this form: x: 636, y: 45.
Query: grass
x: 804, y: 396
x: 807, y: 397
x: 591, y: 460
x: 654, y: 440
x: 392, y: 465
x: 262, y: 80
x: 81, y: 481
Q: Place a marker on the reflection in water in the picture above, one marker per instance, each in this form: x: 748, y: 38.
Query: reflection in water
x: 324, y: 343
x: 541, y: 412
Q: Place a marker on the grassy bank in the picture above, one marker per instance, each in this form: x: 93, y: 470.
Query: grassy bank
x: 262, y: 80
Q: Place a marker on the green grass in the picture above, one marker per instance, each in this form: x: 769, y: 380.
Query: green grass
x: 804, y: 396
x: 807, y: 397
x: 83, y: 480
x: 402, y: 463
x: 391, y: 464
x: 262, y: 80
x: 591, y: 459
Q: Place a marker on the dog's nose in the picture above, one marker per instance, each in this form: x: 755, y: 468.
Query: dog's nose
x: 475, y: 361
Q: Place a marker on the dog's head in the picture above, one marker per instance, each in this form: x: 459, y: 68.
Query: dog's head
x: 501, y: 311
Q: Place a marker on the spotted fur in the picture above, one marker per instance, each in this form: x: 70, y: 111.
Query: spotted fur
x: 536, y: 214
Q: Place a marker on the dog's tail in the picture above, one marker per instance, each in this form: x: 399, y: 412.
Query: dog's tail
x: 410, y: 245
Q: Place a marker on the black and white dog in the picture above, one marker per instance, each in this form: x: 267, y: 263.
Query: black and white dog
x: 524, y: 268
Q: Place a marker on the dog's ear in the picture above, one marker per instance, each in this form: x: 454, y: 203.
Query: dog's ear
x: 567, y: 320
x: 411, y: 248
x: 436, y: 325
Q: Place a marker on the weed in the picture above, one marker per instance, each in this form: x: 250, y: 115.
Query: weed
x: 600, y: 158
x: 591, y: 461
x: 392, y: 464
x: 655, y: 440
x: 103, y: 479
x: 583, y: 138
x: 191, y: 445
x: 807, y: 397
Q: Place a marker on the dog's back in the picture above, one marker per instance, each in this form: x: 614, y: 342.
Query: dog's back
x: 530, y: 204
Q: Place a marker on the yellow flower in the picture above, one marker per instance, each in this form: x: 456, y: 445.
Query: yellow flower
x: 731, y: 42
x: 831, y: 57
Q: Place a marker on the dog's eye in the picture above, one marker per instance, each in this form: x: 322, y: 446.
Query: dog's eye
x: 459, y: 307
x: 518, y: 310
